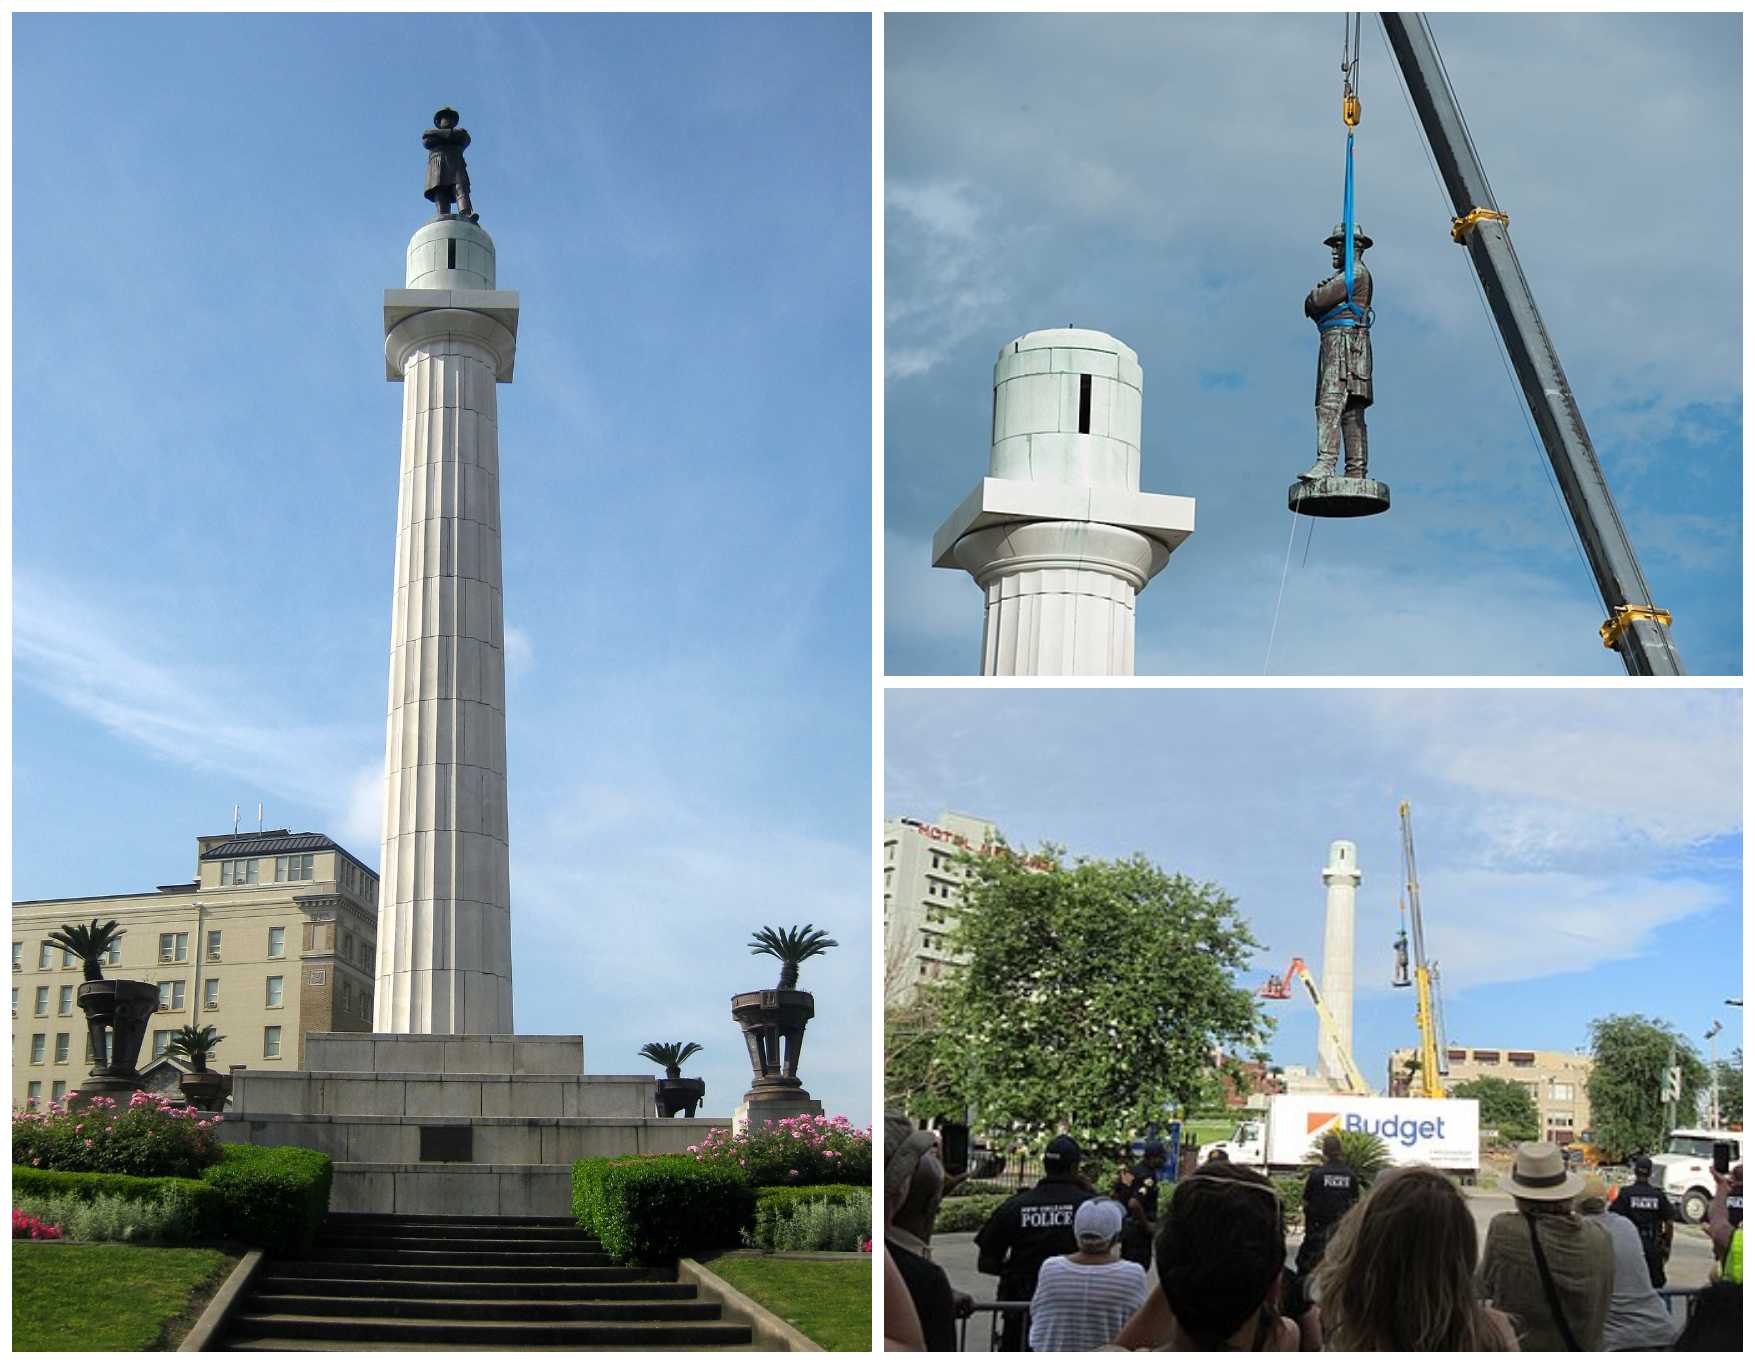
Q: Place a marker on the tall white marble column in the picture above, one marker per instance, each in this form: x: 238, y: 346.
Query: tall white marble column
x: 1059, y: 537
x: 1342, y: 877
x: 444, y: 916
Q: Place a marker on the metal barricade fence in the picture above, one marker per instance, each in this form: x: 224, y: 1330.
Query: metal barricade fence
x: 999, y: 1316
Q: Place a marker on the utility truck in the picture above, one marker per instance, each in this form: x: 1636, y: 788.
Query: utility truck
x: 1684, y: 1170
x: 1441, y: 1132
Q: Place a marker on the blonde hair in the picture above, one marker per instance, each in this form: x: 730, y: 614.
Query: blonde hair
x: 1400, y: 1271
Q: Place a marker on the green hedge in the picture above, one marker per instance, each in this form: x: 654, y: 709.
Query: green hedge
x: 967, y: 1214
x: 656, y: 1209
x: 209, y: 1202
x: 275, y: 1196
x: 783, y: 1198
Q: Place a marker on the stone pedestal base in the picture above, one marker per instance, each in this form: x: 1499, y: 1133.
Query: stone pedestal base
x: 119, y: 1088
x: 1338, y: 496
x: 756, y: 1110
x: 477, y: 1126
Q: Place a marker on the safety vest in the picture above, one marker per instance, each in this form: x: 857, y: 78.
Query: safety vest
x: 1733, y: 1270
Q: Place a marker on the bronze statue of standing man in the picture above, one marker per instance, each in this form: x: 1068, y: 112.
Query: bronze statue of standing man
x: 1343, y: 365
x: 447, y: 173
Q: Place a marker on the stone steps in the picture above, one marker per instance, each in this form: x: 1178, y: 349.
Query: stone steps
x: 383, y: 1282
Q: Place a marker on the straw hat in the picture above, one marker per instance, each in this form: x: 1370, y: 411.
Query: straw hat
x: 1539, y: 1174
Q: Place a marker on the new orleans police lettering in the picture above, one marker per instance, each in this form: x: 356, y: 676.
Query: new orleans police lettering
x: 1042, y: 1218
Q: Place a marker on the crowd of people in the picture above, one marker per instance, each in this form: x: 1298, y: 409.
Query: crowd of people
x: 1397, y: 1265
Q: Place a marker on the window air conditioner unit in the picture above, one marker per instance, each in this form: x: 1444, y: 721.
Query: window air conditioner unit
x: 210, y: 1005
x: 163, y: 1009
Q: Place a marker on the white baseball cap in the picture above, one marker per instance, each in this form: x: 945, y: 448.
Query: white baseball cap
x: 1098, y: 1220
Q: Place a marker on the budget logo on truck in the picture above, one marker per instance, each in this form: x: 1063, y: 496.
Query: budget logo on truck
x: 1396, y: 1130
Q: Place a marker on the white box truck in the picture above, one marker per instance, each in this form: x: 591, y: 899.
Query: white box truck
x: 1684, y: 1168
x: 1441, y: 1132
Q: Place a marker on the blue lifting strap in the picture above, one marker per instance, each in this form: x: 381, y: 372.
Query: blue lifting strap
x: 1346, y: 313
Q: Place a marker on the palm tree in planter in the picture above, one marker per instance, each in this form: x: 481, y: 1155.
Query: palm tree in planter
x: 670, y: 1055
x: 90, y: 943
x: 793, y: 946
x: 116, y: 1011
x: 773, y: 1021
x: 204, y: 1088
x: 673, y: 1094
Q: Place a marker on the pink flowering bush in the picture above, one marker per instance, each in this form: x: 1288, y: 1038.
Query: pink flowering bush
x: 794, y: 1151
x: 24, y: 1225
x: 153, y: 1136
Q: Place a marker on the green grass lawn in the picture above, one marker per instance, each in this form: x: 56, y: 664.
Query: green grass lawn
x: 829, y: 1300
x: 107, y: 1297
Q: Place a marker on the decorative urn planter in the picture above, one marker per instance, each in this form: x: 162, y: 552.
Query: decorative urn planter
x: 116, y: 1015
x: 207, y: 1089
x: 673, y: 1094
x: 773, y: 1023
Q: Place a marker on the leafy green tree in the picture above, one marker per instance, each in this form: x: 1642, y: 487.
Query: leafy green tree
x: 89, y: 943
x: 1506, y: 1107
x: 670, y: 1055
x: 1094, y: 997
x: 1629, y: 1053
x: 792, y: 947
x: 916, y: 1078
x: 1730, y: 1088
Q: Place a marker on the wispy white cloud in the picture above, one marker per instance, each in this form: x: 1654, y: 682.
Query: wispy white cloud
x: 115, y: 669
x: 951, y: 256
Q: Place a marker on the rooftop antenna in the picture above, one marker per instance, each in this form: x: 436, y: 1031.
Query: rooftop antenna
x: 258, y: 816
x: 234, y: 820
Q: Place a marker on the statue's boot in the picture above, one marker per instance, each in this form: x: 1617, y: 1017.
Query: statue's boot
x: 1323, y: 468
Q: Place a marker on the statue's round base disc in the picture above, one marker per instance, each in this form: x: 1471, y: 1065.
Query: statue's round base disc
x: 1338, y: 496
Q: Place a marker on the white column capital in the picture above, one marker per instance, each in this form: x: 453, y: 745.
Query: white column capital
x: 411, y: 321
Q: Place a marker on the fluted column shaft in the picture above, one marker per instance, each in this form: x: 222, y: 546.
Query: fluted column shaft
x: 444, y: 937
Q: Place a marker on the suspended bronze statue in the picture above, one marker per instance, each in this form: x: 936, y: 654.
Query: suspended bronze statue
x: 1343, y: 363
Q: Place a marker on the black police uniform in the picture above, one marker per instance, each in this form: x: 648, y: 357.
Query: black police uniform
x: 1027, y: 1230
x: 1141, y: 1182
x: 1648, y: 1208
x: 1329, y: 1190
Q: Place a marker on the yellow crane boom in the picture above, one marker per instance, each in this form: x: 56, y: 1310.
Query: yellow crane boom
x: 1430, y: 1082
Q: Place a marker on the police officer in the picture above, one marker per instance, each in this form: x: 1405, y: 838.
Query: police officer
x: 1031, y: 1227
x: 1329, y: 1191
x: 1650, y: 1210
x: 1136, y: 1189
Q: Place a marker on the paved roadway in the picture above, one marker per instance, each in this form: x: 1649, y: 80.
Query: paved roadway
x: 1690, y: 1259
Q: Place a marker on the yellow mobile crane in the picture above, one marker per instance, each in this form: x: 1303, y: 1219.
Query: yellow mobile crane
x: 1434, y: 1065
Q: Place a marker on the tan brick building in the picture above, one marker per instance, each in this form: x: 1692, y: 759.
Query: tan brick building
x: 275, y: 937
x: 1556, y: 1080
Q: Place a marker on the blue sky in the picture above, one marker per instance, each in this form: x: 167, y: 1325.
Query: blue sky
x: 1169, y: 179
x: 206, y: 212
x: 1579, y: 851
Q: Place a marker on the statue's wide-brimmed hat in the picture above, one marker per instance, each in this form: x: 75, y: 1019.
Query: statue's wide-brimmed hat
x: 1539, y: 1174
x: 455, y: 116
x: 1360, y: 240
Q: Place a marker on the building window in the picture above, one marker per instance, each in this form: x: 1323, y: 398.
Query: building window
x: 277, y: 942
x: 173, y: 947
x: 170, y: 994
x: 294, y: 868
x: 161, y: 1039
x: 65, y: 1003
x: 274, y: 984
x: 63, y: 1044
x: 213, y: 945
x: 366, y: 1005
x: 18, y: 956
x: 42, y: 1001
x: 67, y: 959
x: 58, y: 1090
x: 1556, y: 1090
x: 115, y: 955
x: 38, y: 1041
x: 346, y: 997
x: 34, y: 1093
x: 239, y: 873
x: 271, y: 1041
x: 211, y: 985
x: 15, y: 1001
x: 45, y: 956
x: 1486, y: 1058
